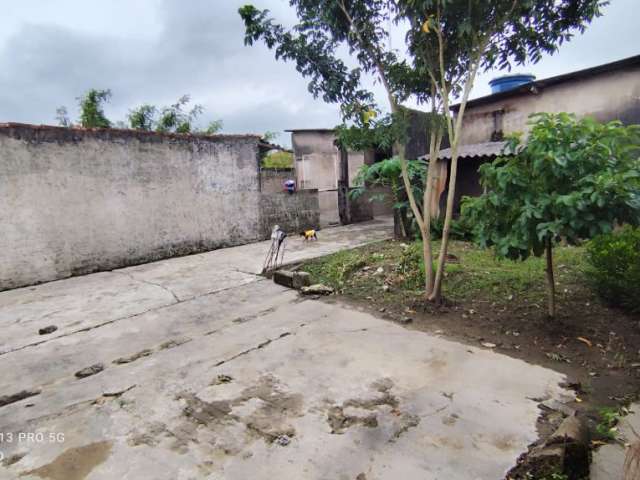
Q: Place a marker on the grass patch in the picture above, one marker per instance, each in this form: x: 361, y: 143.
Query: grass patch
x: 472, y: 274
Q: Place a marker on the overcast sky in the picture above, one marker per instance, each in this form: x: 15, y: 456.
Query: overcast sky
x: 153, y: 51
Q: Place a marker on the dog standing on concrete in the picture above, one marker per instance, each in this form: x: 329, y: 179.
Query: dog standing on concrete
x: 309, y: 235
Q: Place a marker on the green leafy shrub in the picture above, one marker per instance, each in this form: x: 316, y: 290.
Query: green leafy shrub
x: 460, y: 229
x: 281, y: 159
x: 570, y: 180
x: 609, y: 418
x: 614, y: 266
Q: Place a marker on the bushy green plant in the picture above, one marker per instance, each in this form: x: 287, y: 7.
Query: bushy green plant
x: 572, y: 179
x: 609, y: 418
x: 279, y: 159
x: 461, y: 229
x: 614, y: 266
x: 143, y: 117
x: 91, y: 111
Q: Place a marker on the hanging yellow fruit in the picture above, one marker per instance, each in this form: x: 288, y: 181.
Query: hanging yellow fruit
x: 425, y: 26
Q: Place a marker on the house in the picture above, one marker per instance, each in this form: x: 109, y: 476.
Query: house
x: 321, y: 164
x: 606, y: 92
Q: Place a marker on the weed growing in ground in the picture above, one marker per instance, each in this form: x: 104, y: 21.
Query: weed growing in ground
x: 472, y: 272
x: 609, y: 418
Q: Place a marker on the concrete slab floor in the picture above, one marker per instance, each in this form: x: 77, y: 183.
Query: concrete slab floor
x: 209, y: 371
x: 608, y: 461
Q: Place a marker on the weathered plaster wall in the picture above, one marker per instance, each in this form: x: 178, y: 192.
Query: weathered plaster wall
x: 75, y: 201
x: 606, y: 96
x: 317, y: 165
x: 293, y: 212
x: 316, y: 159
x: 272, y: 180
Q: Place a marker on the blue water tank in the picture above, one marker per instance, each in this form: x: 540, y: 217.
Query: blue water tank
x: 509, y: 82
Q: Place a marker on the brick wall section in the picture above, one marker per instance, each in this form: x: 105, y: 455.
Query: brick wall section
x: 75, y: 201
x: 293, y: 212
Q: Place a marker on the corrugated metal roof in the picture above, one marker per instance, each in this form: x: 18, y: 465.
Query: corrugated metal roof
x: 474, y: 150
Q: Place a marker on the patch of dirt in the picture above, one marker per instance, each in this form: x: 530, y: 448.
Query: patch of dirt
x: 340, y: 422
x: 73, y: 463
x: 90, y: 371
x: 16, y: 397
x: 268, y: 421
x: 132, y: 358
x: 173, y: 343
x: 364, y: 411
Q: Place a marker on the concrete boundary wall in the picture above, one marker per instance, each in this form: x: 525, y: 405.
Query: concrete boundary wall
x: 272, y: 179
x: 75, y: 201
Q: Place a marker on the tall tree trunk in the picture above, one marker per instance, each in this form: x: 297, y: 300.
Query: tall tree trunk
x: 427, y: 252
x: 444, y: 243
x: 551, y: 284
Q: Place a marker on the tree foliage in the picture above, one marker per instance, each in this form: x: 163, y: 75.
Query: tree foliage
x: 91, y: 109
x: 279, y: 159
x: 214, y: 126
x: 143, y: 117
x: 175, y: 118
x: 571, y: 179
x: 62, y: 117
x: 614, y: 267
x: 388, y: 173
x: 448, y: 42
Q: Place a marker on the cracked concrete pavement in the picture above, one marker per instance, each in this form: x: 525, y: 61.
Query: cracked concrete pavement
x: 206, y: 370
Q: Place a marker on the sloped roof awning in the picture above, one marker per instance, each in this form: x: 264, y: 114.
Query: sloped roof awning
x: 474, y: 150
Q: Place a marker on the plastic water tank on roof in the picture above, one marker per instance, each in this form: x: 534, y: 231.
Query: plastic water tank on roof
x: 509, y: 82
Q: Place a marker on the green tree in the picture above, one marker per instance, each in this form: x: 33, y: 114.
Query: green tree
x: 270, y: 136
x: 279, y: 159
x: 91, y: 111
x: 143, y: 117
x: 62, y: 117
x: 448, y: 42
x: 215, y: 126
x: 572, y: 180
x: 175, y: 119
x: 452, y: 40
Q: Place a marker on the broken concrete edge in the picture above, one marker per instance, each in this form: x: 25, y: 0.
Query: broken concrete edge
x: 566, y: 451
x: 295, y: 265
x: 316, y: 289
x: 290, y: 279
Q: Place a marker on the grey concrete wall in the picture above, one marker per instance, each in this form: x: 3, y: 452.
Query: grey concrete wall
x: 329, y: 213
x: 316, y: 159
x: 293, y: 212
x: 317, y: 165
x: 606, y: 96
x: 382, y: 204
x: 272, y: 180
x: 75, y: 201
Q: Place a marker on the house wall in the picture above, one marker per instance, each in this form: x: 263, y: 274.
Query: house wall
x: 607, y: 96
x: 77, y: 201
x: 317, y: 166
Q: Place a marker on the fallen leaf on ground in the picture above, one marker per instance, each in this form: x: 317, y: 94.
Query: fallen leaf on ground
x: 586, y: 341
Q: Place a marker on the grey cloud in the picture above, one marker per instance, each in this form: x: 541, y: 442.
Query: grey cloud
x: 199, y: 51
x: 196, y: 47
